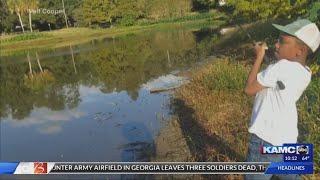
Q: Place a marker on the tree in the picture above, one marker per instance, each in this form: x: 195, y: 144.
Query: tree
x: 56, y: 21
x: 158, y: 9
x: 96, y: 11
x: 264, y: 9
x: 31, y: 5
x: 74, y: 12
x: 314, y: 12
x: 200, y: 5
x: 128, y: 11
x: 64, y: 13
x: 19, y: 7
x: 3, y: 14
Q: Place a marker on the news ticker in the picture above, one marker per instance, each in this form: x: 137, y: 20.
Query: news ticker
x: 156, y: 168
x: 297, y: 159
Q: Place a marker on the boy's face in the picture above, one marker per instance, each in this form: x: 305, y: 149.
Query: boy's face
x: 286, y: 47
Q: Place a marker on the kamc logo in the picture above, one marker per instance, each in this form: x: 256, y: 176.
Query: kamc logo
x: 278, y: 150
x: 300, y: 149
x: 40, y: 168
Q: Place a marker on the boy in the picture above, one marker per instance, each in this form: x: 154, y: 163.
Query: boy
x: 274, y: 117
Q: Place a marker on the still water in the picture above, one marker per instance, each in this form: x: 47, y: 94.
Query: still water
x: 88, y: 102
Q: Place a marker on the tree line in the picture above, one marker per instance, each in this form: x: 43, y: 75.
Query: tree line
x: 15, y: 15
x: 262, y: 9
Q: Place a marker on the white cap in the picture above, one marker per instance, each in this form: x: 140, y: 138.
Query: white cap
x: 304, y: 30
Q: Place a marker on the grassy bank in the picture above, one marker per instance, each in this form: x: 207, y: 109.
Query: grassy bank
x: 64, y: 37
x: 58, y: 38
x: 214, y: 113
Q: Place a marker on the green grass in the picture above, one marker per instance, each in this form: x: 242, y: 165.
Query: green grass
x: 59, y: 38
x: 192, y: 17
x: 225, y: 76
x: 309, y: 119
x: 25, y: 37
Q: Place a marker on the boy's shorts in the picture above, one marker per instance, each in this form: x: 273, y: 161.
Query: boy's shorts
x: 254, y: 155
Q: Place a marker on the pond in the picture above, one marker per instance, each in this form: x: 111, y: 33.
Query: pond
x: 89, y: 102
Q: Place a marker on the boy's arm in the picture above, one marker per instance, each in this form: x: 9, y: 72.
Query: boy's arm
x: 253, y: 86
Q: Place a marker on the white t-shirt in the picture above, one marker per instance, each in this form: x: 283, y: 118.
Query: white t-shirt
x: 274, y: 115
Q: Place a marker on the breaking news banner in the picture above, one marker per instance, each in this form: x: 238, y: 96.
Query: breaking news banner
x: 297, y: 159
x: 131, y: 168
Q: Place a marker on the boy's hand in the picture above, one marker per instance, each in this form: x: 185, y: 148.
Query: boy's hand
x: 253, y: 86
x: 260, y: 50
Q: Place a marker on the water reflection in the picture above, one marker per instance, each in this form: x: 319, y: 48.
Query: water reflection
x: 81, y: 101
x: 73, y: 62
x: 141, y: 146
